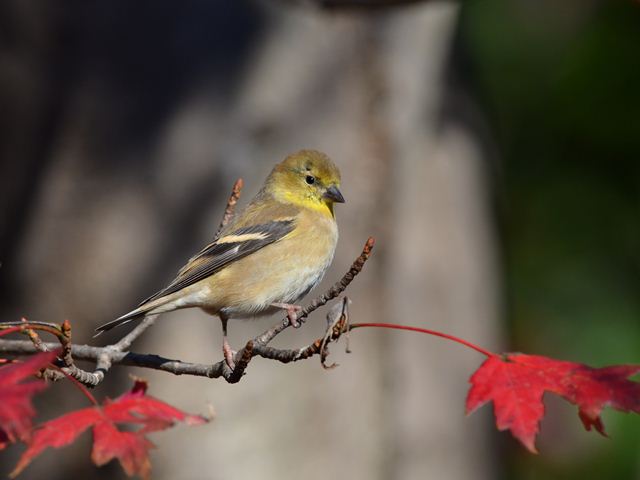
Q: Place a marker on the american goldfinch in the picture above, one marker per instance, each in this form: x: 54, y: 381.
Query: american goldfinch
x: 268, y: 257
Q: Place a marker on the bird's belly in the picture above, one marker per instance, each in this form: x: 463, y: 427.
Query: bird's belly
x: 295, y: 284
x: 278, y: 273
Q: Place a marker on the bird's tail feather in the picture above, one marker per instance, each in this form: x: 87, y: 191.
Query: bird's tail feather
x: 163, y: 304
x: 136, y: 314
x: 156, y: 306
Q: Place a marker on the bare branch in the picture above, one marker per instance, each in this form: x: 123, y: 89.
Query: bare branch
x: 332, y: 293
x: 34, y: 337
x: 23, y: 321
x: 105, y: 357
x: 337, y: 325
x: 131, y: 337
x: 231, y: 207
x: 118, y: 354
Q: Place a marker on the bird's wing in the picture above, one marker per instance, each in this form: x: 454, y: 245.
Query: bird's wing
x: 230, y: 247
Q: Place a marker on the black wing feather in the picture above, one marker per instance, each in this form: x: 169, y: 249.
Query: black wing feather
x: 217, y: 255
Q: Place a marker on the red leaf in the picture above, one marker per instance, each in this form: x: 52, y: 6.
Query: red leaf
x: 57, y: 433
x: 15, y: 397
x: 516, y: 383
x: 153, y: 414
x: 130, y: 448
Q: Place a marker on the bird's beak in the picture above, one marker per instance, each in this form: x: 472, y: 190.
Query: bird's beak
x: 333, y: 194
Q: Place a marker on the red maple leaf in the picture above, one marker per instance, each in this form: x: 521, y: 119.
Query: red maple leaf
x: 17, y: 411
x: 130, y: 448
x: 517, y: 382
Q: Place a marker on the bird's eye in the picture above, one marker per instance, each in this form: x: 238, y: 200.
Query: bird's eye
x: 310, y: 179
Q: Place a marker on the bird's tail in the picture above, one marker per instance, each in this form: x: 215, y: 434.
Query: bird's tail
x: 132, y: 315
x: 139, y: 313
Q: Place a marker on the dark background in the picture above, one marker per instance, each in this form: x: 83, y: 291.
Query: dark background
x: 491, y: 146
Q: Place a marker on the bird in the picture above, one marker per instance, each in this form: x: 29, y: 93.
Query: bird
x: 268, y: 257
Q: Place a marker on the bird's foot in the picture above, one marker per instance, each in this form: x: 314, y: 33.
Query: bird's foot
x: 228, y: 353
x: 292, y: 312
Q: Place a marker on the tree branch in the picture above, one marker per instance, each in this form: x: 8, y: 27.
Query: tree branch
x: 231, y: 207
x: 110, y: 355
x: 119, y: 354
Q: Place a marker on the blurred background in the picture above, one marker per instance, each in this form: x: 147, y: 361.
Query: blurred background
x: 491, y: 147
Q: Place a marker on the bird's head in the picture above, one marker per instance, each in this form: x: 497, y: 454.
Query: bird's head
x: 308, y: 179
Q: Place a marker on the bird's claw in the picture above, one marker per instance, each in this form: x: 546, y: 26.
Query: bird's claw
x: 292, y: 315
x: 229, y: 353
x: 292, y: 312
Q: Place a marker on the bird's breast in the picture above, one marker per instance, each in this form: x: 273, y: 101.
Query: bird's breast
x: 282, y: 272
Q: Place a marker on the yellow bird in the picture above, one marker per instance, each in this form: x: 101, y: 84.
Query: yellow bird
x: 268, y: 257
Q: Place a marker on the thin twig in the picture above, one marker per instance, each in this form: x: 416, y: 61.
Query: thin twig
x: 246, y: 354
x: 118, y: 354
x: 34, y: 337
x: 178, y: 367
x: 21, y: 326
x: 68, y: 367
x: 77, y: 383
x: 231, y: 207
x: 30, y: 322
x: 337, y: 324
x: 132, y: 336
x: 65, y: 340
x: 90, y: 353
x: 332, y: 293
x: 104, y: 360
x: 110, y: 355
x: 336, y: 318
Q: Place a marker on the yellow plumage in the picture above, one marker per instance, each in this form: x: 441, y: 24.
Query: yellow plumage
x: 269, y: 256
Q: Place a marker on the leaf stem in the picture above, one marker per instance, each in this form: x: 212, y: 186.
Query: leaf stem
x: 428, y: 332
x: 7, y: 331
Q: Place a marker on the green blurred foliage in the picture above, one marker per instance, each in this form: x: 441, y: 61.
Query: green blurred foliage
x: 561, y: 84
